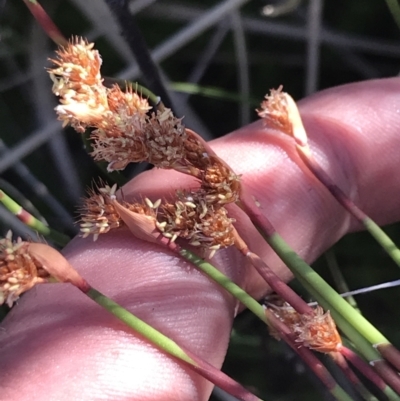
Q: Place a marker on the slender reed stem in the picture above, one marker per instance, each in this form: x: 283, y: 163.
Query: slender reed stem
x: 46, y: 22
x: 31, y: 221
x: 362, y: 390
x: 172, y: 348
x: 380, y: 236
x: 273, y: 280
x: 137, y: 44
x: 356, y: 327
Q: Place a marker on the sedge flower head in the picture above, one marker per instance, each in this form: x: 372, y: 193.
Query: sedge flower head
x: 192, y: 218
x: 98, y: 215
x: 274, y: 111
x: 19, y: 272
x: 316, y: 331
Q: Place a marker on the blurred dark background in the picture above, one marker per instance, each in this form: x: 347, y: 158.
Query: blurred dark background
x: 222, y: 57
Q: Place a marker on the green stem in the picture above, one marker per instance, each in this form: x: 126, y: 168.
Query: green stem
x: 338, y: 278
x: 267, y: 318
x: 323, y: 292
x: 380, y: 236
x: 226, y: 283
x: 163, y: 342
x: 31, y: 221
x: 172, y: 348
x: 383, y: 239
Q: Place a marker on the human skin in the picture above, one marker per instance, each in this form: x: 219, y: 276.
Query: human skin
x: 56, y: 344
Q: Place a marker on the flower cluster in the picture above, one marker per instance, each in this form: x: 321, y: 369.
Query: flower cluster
x: 123, y: 131
x: 274, y: 111
x: 317, y: 331
x: 99, y: 214
x: 18, y: 270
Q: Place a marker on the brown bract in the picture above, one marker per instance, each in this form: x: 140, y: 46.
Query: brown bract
x: 55, y: 264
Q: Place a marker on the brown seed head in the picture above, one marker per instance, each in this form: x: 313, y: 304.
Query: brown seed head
x: 165, y: 138
x: 220, y: 183
x: 18, y: 271
x: 191, y: 218
x: 98, y: 215
x: 317, y: 331
x: 274, y: 111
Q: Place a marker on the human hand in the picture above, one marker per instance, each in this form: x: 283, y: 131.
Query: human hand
x: 57, y: 345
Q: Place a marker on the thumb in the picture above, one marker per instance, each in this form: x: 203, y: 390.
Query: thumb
x: 58, y: 345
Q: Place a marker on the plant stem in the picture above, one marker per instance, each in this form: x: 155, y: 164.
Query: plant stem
x: 46, y: 22
x: 362, y: 390
x: 137, y: 44
x: 172, y: 348
x: 267, y: 317
x: 380, y: 236
x: 212, y: 272
x: 356, y: 327
x: 31, y: 221
x: 365, y: 369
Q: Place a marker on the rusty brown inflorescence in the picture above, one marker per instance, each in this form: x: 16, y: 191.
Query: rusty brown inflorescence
x: 19, y: 272
x: 316, y: 331
x: 124, y: 130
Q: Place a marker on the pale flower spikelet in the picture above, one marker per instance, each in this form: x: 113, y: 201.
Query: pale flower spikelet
x: 274, y: 111
x: 77, y: 81
x: 317, y: 331
x: 191, y: 218
x: 98, y: 215
x: 18, y: 271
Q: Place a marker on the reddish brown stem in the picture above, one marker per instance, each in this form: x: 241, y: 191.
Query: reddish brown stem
x: 46, y: 22
x: 348, y: 372
x: 330, y: 185
x: 363, y: 367
x: 248, y: 204
x: 219, y: 378
x: 273, y: 280
x: 390, y: 353
x: 388, y: 374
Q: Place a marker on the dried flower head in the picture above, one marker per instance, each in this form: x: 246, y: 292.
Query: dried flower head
x: 192, y: 218
x: 77, y: 81
x: 165, y: 139
x: 279, y: 111
x: 19, y: 272
x: 220, y: 183
x: 98, y: 215
x: 317, y: 331
x: 274, y: 111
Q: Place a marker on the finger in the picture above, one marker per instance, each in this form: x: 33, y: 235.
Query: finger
x: 83, y: 351
x: 353, y: 136
x: 57, y: 344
